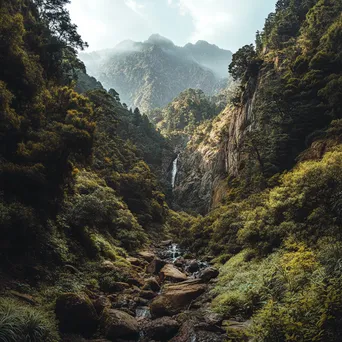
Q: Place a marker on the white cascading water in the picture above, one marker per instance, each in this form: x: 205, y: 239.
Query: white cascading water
x: 175, y: 252
x: 174, y: 171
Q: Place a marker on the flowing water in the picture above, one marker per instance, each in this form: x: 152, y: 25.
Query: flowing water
x: 174, y: 171
x: 142, y: 312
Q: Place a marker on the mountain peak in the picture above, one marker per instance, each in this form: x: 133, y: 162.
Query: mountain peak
x: 159, y: 40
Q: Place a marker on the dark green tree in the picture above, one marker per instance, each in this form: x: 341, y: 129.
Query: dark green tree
x: 244, y: 63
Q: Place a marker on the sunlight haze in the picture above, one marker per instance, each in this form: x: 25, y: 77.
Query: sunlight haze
x: 226, y: 23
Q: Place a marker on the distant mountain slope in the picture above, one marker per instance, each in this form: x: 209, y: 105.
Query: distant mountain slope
x: 150, y: 74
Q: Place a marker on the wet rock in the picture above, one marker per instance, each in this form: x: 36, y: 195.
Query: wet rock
x: 117, y: 324
x: 124, y: 301
x: 176, y: 298
x: 142, y: 312
x: 170, y: 273
x: 161, y: 329
x: 151, y: 284
x: 148, y: 294
x: 193, y: 266
x: 208, y: 274
x: 76, y: 314
x: 155, y: 266
x: 102, y: 303
x: 186, y: 333
x: 147, y: 255
x: 180, y: 262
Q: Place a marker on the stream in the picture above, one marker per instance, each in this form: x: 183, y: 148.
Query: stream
x: 173, y: 254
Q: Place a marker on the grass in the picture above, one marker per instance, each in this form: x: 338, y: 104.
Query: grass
x: 22, y: 323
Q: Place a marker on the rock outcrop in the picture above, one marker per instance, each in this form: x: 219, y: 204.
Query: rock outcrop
x: 214, y: 153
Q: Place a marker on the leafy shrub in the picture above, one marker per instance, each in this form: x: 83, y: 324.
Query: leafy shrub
x: 98, y: 208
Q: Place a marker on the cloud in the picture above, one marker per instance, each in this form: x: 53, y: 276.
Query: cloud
x: 135, y: 6
x: 224, y: 21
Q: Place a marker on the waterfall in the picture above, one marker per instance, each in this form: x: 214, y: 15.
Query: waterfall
x: 174, y: 171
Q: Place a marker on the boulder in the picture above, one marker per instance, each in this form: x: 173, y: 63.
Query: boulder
x: 102, y: 303
x: 76, y: 314
x: 180, y: 262
x: 117, y: 324
x: 134, y: 280
x: 176, y: 297
x: 124, y: 301
x: 170, y: 273
x: 151, y: 284
x: 147, y: 255
x: 161, y: 329
x: 116, y: 286
x: 135, y: 261
x: 155, y: 266
x: 208, y: 274
x: 147, y: 294
x: 193, y: 266
x: 186, y: 333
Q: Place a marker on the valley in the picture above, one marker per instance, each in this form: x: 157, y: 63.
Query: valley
x: 148, y: 195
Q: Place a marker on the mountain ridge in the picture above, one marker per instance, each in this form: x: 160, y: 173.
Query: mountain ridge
x: 138, y: 69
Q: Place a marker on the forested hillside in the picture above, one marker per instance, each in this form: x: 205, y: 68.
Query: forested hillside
x: 276, y: 227
x: 78, y: 172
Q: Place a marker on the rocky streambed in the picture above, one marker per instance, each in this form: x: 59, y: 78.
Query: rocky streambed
x: 167, y: 299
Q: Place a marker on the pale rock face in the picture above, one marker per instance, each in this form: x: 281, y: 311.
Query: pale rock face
x: 171, y: 273
x: 204, y: 165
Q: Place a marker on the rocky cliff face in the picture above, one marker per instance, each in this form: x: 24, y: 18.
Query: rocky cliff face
x: 202, y: 167
x: 215, y: 152
x: 150, y: 74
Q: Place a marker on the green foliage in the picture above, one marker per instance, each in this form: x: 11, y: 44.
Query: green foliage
x: 49, y: 132
x: 185, y: 112
x: 21, y: 323
x: 96, y: 208
x: 244, y: 63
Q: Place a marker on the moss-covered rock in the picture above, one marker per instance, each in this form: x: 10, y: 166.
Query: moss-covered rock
x: 76, y: 314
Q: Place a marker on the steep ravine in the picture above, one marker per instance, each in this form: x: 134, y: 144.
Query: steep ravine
x: 213, y: 153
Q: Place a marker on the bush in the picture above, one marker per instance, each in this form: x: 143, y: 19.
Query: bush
x: 20, y: 323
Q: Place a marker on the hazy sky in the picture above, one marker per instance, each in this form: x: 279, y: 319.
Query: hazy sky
x: 226, y: 23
